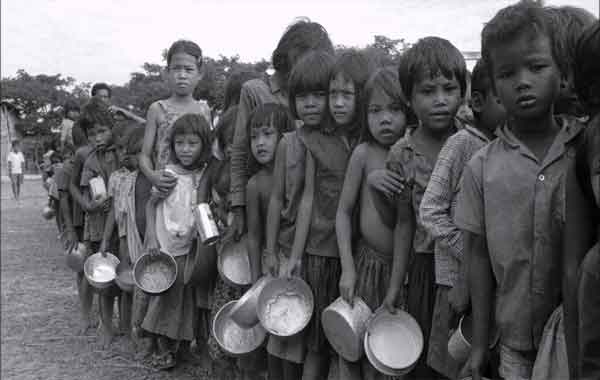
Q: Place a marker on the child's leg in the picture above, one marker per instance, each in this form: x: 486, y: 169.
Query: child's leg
x: 275, y: 367
x: 291, y: 370
x: 316, y: 366
x: 348, y: 370
x: 107, y: 302
x: 18, y: 186
x: 13, y: 184
x: 86, y: 298
x: 125, y: 304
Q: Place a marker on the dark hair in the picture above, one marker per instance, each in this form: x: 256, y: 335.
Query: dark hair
x: 233, y: 87
x: 187, y: 47
x: 15, y: 142
x: 67, y: 148
x: 225, y: 127
x: 387, y: 80
x: 71, y: 105
x: 311, y: 73
x: 431, y: 56
x: 135, y: 140
x: 586, y: 67
x: 354, y: 66
x: 93, y: 113
x: 101, y: 86
x: 526, y: 16
x: 568, y: 24
x: 301, y: 36
x: 480, y: 79
x: 196, y: 124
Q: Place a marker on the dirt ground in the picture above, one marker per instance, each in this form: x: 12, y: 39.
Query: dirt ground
x: 40, y: 314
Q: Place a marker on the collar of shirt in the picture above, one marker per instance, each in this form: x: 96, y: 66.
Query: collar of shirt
x: 476, y: 132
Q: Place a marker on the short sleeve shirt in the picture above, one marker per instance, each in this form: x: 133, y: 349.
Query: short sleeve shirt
x: 16, y: 160
x: 518, y: 204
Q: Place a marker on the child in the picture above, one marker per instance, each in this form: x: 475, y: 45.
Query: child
x: 66, y: 127
x: 370, y: 275
x: 184, y: 71
x: 100, y: 163
x: 511, y: 202
x: 587, y: 85
x: 171, y: 316
x: 16, y: 164
x: 437, y: 213
x: 432, y: 73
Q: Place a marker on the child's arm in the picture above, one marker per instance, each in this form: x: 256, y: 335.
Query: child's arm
x: 255, y: 228
x: 151, y: 241
x: 275, y: 206
x: 382, y: 195
x: 303, y: 218
x: 404, y: 232
x: 128, y: 114
x: 65, y: 210
x: 109, y: 228
x: 343, y: 220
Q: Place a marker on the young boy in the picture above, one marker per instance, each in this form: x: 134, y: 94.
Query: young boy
x: 16, y: 165
x: 438, y: 206
x: 587, y: 85
x: 433, y: 75
x: 511, y: 203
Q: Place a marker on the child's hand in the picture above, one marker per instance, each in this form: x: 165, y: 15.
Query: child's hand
x: 94, y: 205
x: 238, y: 225
x: 103, y: 248
x: 271, y: 264
x: 458, y: 298
x: 294, y: 265
x: 386, y: 181
x: 152, y: 246
x: 389, y: 302
x: 164, y: 181
x: 347, y: 284
x: 475, y: 364
x: 70, y: 239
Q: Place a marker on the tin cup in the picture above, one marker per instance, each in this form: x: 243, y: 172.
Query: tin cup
x: 205, y: 224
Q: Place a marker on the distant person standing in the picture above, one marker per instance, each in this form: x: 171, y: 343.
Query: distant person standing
x: 16, y: 164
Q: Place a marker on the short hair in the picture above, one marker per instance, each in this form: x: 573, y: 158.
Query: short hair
x: 432, y: 56
x: 480, y: 79
x: 385, y: 79
x: 311, y: 73
x: 526, y: 16
x: 135, y: 140
x: 568, y: 24
x: 301, y: 36
x: 71, y: 105
x: 355, y: 66
x: 94, y: 113
x: 187, y: 47
x: 225, y: 128
x: 101, y: 86
x: 15, y: 142
x: 194, y: 124
x: 586, y: 67
x: 233, y: 87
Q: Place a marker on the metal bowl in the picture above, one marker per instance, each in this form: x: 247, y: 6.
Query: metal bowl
x: 76, y: 257
x: 393, y: 342
x: 285, y: 306
x: 124, y: 278
x: 232, y: 338
x: 155, y: 274
x: 345, y: 326
x: 48, y: 212
x: 244, y: 311
x: 234, y: 264
x: 99, y: 270
x: 459, y: 344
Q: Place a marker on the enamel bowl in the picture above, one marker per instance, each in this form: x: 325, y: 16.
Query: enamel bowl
x: 155, y: 274
x: 231, y: 337
x: 100, y: 270
x: 244, y: 312
x: 234, y: 264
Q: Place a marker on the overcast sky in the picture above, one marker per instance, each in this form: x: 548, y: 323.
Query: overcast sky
x: 106, y: 40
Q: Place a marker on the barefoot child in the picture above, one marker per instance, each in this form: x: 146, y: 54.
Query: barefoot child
x: 432, y: 73
x: 511, y: 204
x: 172, y: 315
x: 437, y: 213
x: 371, y: 273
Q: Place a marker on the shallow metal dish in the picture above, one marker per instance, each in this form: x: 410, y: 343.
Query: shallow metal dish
x: 155, y: 274
x: 232, y: 338
x: 99, y: 270
x: 244, y: 312
x: 285, y: 306
x: 345, y: 326
x: 395, y: 341
x: 76, y: 257
x: 48, y: 212
x: 377, y: 364
x: 234, y: 264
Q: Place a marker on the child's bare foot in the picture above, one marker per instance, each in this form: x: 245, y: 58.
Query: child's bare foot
x: 106, y: 339
x: 85, y: 326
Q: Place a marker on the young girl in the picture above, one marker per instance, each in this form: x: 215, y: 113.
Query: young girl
x: 318, y: 153
x: 171, y: 316
x: 370, y: 274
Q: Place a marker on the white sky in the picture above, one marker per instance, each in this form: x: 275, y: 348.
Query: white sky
x: 106, y: 40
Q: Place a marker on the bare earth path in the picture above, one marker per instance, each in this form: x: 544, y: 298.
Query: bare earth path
x: 39, y: 308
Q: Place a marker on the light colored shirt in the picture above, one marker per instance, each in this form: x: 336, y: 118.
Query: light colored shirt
x: 16, y: 160
x: 439, y: 201
x: 517, y: 202
x: 120, y: 185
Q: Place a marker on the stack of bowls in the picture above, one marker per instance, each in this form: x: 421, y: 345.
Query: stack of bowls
x: 232, y: 338
x: 155, y: 274
x: 393, y: 342
x: 244, y: 311
x: 345, y: 326
x: 101, y: 269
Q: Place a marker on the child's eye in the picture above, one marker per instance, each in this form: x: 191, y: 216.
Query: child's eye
x: 374, y: 109
x: 426, y: 91
x: 537, y: 67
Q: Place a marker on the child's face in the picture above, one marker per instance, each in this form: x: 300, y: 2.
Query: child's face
x: 435, y: 101
x: 17, y: 148
x: 104, y: 96
x: 263, y: 142
x: 188, y: 148
x: 100, y: 136
x: 342, y: 99
x: 73, y: 114
x: 387, y: 121
x: 310, y: 107
x: 183, y: 74
x: 526, y: 77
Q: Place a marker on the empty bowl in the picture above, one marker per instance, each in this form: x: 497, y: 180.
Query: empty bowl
x: 459, y: 344
x: 155, y: 274
x: 48, y: 212
x: 285, y: 306
x: 234, y: 264
x: 231, y: 337
x: 100, y: 270
x: 244, y: 312
x: 76, y: 257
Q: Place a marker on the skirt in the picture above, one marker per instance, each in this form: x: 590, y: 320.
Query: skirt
x: 322, y: 274
x: 373, y: 272
x: 173, y: 313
